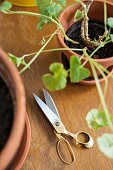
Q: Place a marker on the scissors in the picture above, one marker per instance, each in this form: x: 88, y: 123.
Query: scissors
x: 50, y: 111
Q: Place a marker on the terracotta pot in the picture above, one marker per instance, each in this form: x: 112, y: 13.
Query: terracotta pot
x: 23, y: 2
x: 96, y: 12
x: 12, y: 78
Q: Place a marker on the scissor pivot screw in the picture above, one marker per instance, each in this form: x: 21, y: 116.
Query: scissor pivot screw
x: 57, y: 123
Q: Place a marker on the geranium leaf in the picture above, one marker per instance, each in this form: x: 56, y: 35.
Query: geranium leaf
x: 49, y: 8
x: 110, y: 22
x: 5, y: 6
x: 78, y: 15
x: 16, y: 60
x: 58, y: 79
x: 111, y: 36
x: 105, y: 143
x: 77, y: 73
x: 97, y: 119
x: 63, y: 2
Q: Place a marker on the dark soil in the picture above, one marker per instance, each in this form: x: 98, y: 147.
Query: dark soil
x: 96, y: 29
x: 6, y: 113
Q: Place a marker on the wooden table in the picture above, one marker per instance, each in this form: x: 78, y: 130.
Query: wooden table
x: 18, y: 35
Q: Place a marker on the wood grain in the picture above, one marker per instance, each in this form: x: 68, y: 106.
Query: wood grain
x: 18, y: 35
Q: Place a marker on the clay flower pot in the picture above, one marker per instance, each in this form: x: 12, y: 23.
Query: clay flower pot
x: 96, y: 12
x: 11, y: 76
x: 23, y: 2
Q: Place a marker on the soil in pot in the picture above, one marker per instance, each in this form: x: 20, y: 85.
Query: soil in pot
x: 6, y: 113
x: 96, y: 29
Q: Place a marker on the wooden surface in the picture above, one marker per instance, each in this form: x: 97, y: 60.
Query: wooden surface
x: 18, y: 35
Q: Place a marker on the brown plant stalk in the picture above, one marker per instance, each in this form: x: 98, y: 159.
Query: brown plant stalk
x: 84, y: 27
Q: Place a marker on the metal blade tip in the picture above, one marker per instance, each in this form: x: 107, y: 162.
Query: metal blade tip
x: 44, y: 91
x: 34, y: 95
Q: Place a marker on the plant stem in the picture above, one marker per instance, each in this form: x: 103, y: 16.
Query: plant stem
x: 92, y: 54
x: 31, y: 14
x: 100, y: 46
x: 44, y: 16
x: 37, y: 54
x: 102, y: 97
x: 62, y: 49
x: 84, y: 24
x: 105, y: 17
x: 104, y: 69
x: 106, y: 81
x: 52, y: 50
x: 103, y: 75
x: 99, y: 91
x: 84, y: 27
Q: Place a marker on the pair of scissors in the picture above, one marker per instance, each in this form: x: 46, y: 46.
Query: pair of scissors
x: 50, y: 111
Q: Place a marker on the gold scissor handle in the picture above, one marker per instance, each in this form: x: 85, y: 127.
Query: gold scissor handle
x: 88, y: 140
x: 62, y: 139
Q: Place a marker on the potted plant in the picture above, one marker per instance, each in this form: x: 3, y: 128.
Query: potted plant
x: 12, y: 114
x: 89, y: 60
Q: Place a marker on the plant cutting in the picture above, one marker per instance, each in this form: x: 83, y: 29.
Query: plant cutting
x: 88, y: 60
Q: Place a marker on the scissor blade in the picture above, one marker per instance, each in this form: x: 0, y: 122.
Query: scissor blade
x: 48, y: 112
x: 50, y: 103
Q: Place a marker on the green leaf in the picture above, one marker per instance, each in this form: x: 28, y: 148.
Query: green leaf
x: 16, y: 60
x: 42, y: 4
x: 78, y: 15
x: 42, y: 22
x: 111, y: 36
x: 77, y: 73
x: 58, y: 79
x: 110, y: 22
x: 5, y: 6
x: 62, y: 2
x: 50, y: 9
x: 105, y: 144
x: 96, y: 119
x: 53, y: 9
x: 78, y: 1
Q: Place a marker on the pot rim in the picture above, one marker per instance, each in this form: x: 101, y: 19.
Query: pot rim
x: 61, y: 37
x: 12, y: 144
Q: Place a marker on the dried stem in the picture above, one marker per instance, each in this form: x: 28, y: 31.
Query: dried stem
x: 84, y: 27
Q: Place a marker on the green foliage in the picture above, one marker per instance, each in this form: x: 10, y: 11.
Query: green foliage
x: 5, y: 6
x: 78, y: 1
x: 49, y: 8
x: 105, y: 144
x: 57, y: 80
x: 111, y: 36
x: 62, y: 2
x: 78, y: 15
x: 110, y: 22
x: 16, y: 60
x: 77, y: 73
x: 97, y: 119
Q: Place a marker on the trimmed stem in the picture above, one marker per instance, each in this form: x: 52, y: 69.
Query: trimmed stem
x: 37, y: 54
x: 84, y: 25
